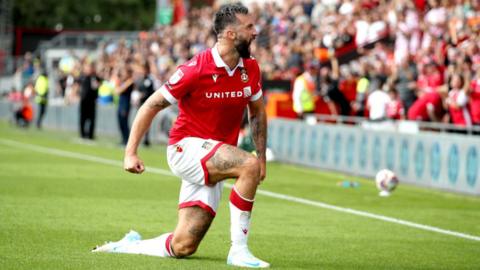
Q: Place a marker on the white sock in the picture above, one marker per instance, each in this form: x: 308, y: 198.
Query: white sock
x: 240, y: 213
x: 159, y: 246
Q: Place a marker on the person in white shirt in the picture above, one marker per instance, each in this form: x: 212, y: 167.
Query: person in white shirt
x: 377, y: 105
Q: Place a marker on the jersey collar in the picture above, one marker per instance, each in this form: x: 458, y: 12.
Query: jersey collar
x: 220, y: 63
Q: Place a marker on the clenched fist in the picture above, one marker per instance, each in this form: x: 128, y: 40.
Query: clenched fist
x: 133, y: 164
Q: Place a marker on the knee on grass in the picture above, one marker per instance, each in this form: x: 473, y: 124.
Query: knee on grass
x: 184, y: 248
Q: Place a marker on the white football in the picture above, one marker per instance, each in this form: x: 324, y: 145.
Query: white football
x: 269, y: 155
x: 386, y: 181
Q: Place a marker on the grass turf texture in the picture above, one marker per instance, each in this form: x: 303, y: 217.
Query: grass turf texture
x: 54, y: 209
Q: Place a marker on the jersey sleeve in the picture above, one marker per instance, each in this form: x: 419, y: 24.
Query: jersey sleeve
x: 181, y: 82
x: 256, y: 84
x: 462, y: 99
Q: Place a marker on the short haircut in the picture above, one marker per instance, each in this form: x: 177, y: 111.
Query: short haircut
x: 226, y: 15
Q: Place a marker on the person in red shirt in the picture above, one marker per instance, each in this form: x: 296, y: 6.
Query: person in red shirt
x: 457, y: 102
x: 474, y: 103
x: 212, y: 91
x: 24, y: 111
x: 395, y: 108
x: 428, y: 107
x: 430, y: 80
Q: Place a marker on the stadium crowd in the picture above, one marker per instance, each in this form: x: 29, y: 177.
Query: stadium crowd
x: 400, y: 59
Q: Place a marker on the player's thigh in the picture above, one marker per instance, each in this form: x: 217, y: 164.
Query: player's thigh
x: 228, y: 162
x: 193, y: 224
x: 187, y: 159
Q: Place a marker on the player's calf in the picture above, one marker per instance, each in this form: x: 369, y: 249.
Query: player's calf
x: 193, y: 224
x: 181, y: 249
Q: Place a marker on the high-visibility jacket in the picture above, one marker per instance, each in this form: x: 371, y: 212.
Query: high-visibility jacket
x: 41, y: 89
x: 105, y: 92
x: 303, y: 94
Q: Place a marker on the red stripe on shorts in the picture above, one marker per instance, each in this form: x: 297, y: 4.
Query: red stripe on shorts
x: 200, y: 204
x: 204, y: 160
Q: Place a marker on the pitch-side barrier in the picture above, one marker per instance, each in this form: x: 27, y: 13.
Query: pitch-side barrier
x: 419, y: 153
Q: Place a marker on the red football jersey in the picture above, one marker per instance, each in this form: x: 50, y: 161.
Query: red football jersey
x: 474, y: 104
x: 458, y: 108
x: 395, y: 109
x: 211, y: 97
x: 418, y: 110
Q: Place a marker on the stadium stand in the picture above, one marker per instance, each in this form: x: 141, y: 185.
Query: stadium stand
x: 413, y: 48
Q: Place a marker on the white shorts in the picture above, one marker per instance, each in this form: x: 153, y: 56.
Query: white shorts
x: 187, y: 160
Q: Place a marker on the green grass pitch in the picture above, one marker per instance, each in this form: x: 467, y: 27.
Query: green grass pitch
x: 54, y: 209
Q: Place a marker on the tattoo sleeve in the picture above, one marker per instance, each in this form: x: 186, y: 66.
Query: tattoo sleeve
x: 258, y: 125
x: 157, y: 104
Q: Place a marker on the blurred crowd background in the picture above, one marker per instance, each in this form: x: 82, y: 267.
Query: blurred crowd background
x: 376, y: 59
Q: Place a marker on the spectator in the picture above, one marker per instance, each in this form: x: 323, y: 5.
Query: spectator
x: 457, y: 101
x: 145, y: 85
x: 474, y: 103
x: 407, y: 35
x: 429, y: 107
x: 24, y: 114
x: 395, y: 108
x: 427, y: 43
x: 330, y: 84
x: 106, y: 89
x: 41, y: 97
x: 377, y: 103
x: 89, y: 84
x: 124, y: 90
x: 430, y: 79
x: 404, y: 78
x: 362, y: 90
x: 304, y: 88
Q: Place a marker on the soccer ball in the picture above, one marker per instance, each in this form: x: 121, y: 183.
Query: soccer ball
x: 269, y: 155
x: 386, y: 181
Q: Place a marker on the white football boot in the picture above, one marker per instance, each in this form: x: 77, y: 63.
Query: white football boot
x: 243, y: 258
x: 118, y: 247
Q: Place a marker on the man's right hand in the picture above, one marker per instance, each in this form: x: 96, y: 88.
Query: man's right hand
x: 133, y: 164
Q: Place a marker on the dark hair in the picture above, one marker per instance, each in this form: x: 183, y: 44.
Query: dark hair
x: 392, y: 90
x: 227, y: 15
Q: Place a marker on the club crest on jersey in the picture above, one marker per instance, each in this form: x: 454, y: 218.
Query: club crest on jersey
x: 207, y: 145
x: 244, y: 75
x: 215, y: 77
x: 178, y: 148
x: 176, y: 77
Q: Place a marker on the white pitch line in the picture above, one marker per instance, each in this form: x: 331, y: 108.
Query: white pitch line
x: 117, y: 163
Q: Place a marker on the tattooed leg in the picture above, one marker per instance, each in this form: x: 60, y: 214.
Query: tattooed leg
x: 232, y: 162
x: 193, y: 224
x: 227, y: 162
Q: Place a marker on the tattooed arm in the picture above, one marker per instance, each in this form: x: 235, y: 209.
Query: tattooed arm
x: 155, y: 103
x: 258, y: 125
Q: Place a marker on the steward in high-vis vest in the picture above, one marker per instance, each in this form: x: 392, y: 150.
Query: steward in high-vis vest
x: 304, y: 91
x: 105, y: 92
x: 41, y: 97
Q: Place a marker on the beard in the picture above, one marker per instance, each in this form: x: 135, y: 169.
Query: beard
x: 243, y: 48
